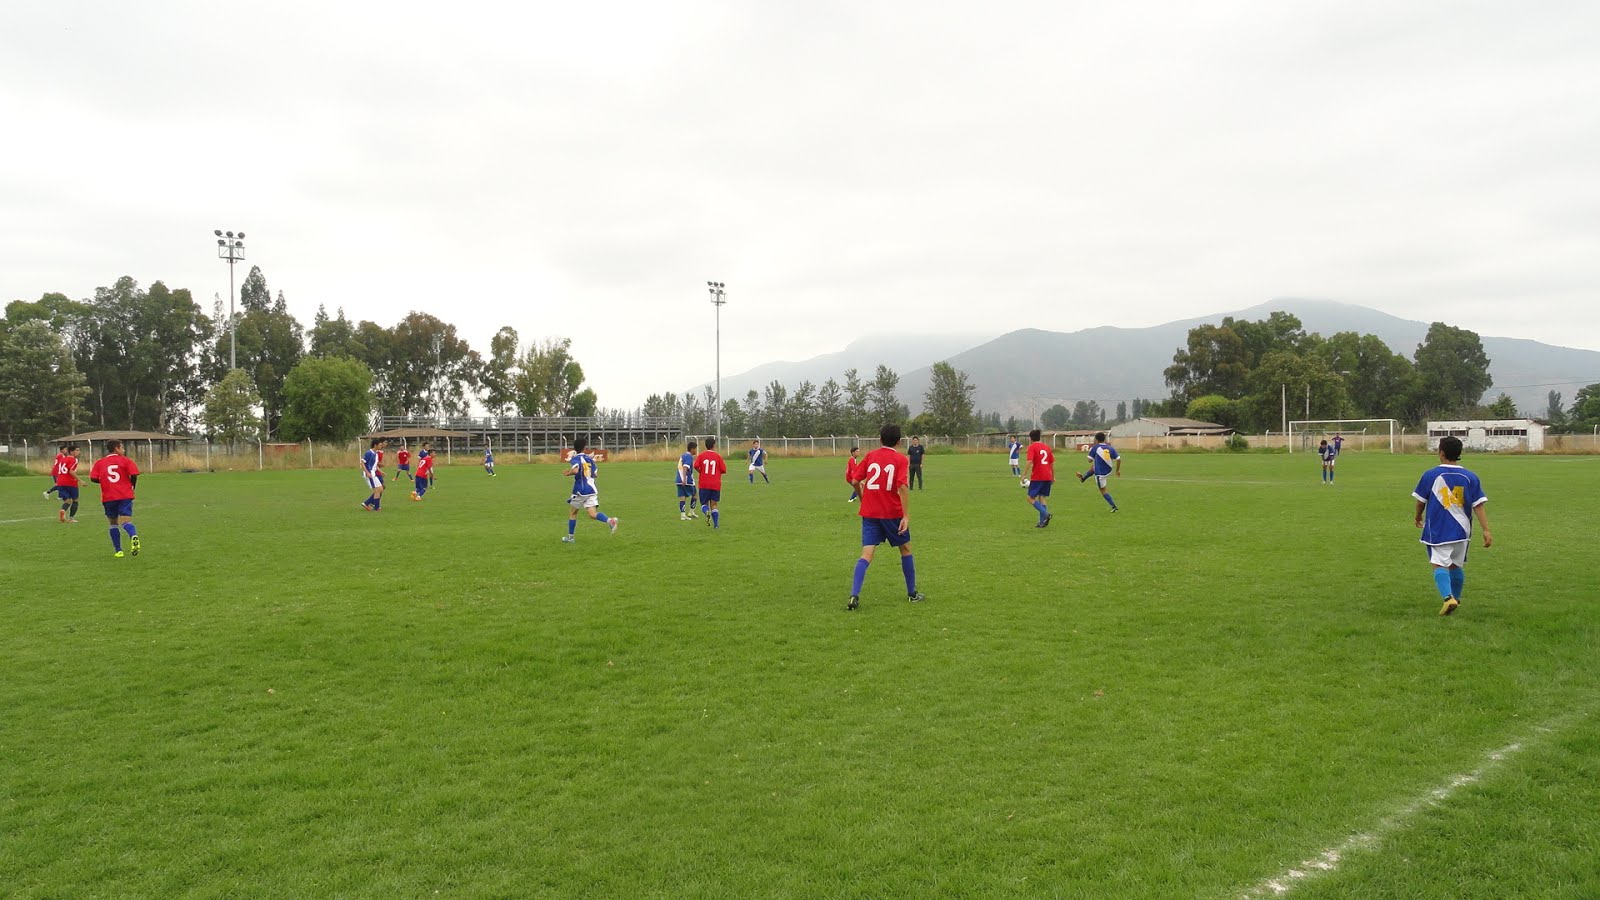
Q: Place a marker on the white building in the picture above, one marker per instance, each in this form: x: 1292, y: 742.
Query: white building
x: 1491, y: 435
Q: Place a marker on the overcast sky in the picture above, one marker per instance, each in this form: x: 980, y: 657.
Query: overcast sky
x: 582, y: 169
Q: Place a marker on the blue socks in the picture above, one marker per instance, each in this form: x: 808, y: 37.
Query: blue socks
x: 1458, y: 578
x: 116, y: 538
x: 1442, y: 580
x: 860, y: 576
x: 572, y: 526
x: 752, y: 478
x: 705, y: 510
x: 1043, y: 511
x: 601, y: 517
x: 681, y: 508
x: 1110, y: 502
x: 716, y: 520
x: 129, y: 529
x: 910, y: 570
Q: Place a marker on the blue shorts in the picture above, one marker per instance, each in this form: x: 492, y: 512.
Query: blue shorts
x: 66, y: 491
x: 1039, y: 488
x: 876, y: 531
x: 707, y: 495
x: 405, y: 467
x: 422, y: 482
x: 118, y: 508
x: 686, y: 490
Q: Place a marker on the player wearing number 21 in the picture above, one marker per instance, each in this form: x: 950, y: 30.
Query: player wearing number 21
x: 709, y: 467
x: 117, y: 475
x: 881, y: 479
x: 1447, y: 496
x: 1041, y: 475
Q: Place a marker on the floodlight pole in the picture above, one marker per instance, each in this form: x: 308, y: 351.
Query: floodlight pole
x: 718, y: 300
x: 230, y: 247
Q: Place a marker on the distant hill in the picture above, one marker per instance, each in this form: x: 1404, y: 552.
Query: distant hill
x: 1023, y: 372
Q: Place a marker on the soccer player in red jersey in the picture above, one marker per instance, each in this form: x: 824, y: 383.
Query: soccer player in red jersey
x: 881, y: 480
x: 117, y: 475
x: 65, y: 472
x: 709, y: 467
x: 424, y: 472
x: 850, y: 473
x: 1041, y: 475
x: 402, y: 461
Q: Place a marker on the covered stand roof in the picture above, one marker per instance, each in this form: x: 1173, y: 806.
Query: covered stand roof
x: 103, y: 436
x: 417, y: 434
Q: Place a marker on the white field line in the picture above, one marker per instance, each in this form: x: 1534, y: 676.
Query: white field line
x: 1328, y: 860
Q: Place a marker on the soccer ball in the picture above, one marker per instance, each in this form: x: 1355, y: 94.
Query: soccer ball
x: 1024, y: 482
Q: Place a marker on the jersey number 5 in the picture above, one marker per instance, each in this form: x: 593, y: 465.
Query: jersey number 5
x: 112, y: 475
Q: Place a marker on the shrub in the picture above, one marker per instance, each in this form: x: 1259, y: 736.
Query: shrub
x: 1236, y: 443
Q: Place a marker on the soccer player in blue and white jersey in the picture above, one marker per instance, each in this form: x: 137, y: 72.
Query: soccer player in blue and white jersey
x: 1447, y: 497
x: 685, y: 483
x: 584, y: 493
x: 372, y: 471
x: 758, y: 461
x: 1104, y: 461
x: 488, y: 459
x: 1015, y: 449
x: 1328, y: 453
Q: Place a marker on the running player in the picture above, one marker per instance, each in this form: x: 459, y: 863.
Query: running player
x: 1447, y: 496
x: 850, y: 473
x: 584, y: 493
x: 709, y: 467
x: 758, y: 461
x: 684, y: 479
x: 117, y: 476
x: 372, y: 471
x: 1041, y: 475
x: 1102, y: 456
x: 881, y: 479
x: 65, y: 473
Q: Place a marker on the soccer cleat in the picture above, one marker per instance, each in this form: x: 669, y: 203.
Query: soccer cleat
x: 708, y: 520
x: 117, y: 555
x: 683, y: 517
x: 854, y: 604
x: 614, y: 523
x: 1115, y: 509
x: 1449, y: 607
x: 916, y: 597
x: 47, y: 494
x: 133, y: 544
x: 568, y: 539
x: 71, y: 521
x: 1047, y: 518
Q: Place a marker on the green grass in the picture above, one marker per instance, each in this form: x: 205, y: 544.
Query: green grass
x: 287, y: 697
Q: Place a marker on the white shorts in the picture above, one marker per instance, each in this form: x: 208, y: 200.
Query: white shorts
x: 1447, y: 555
x: 1330, y: 462
x: 1016, y: 462
x: 373, y: 482
x: 1101, y: 482
x: 761, y: 469
x: 584, y: 501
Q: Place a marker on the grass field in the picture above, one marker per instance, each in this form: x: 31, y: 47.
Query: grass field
x: 1241, y: 674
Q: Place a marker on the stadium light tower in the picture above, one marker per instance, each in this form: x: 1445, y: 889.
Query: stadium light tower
x: 718, y: 299
x: 230, y: 247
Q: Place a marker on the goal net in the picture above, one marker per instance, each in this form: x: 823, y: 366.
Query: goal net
x: 1358, y: 434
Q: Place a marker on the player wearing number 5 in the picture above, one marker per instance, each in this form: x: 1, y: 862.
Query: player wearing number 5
x: 1447, y: 497
x: 117, y: 476
x: 709, y: 467
x: 881, y: 478
x: 1040, y: 476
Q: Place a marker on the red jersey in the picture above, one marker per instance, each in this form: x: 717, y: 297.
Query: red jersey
x: 1043, y: 460
x: 403, y: 457
x: 65, y: 470
x: 709, y: 468
x: 115, y: 473
x: 850, y: 466
x: 882, y: 474
x: 425, y: 466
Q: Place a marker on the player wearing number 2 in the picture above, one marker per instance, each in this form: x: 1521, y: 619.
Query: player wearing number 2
x: 117, y: 475
x: 709, y: 467
x: 1447, y: 496
x: 881, y: 478
x: 1041, y: 475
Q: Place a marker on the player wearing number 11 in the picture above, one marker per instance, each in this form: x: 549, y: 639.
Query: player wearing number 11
x: 117, y: 475
x: 1041, y: 475
x: 709, y: 467
x: 881, y: 479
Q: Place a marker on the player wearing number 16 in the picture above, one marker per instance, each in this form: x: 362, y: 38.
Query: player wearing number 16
x: 1040, y: 476
x: 881, y: 479
x: 117, y: 475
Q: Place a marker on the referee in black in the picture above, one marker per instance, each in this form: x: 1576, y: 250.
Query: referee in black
x: 915, y: 452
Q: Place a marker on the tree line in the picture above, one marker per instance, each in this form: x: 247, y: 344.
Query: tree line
x: 152, y: 359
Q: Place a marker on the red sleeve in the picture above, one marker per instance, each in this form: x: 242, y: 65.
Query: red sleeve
x: 133, y: 467
x: 722, y: 466
x: 95, y: 470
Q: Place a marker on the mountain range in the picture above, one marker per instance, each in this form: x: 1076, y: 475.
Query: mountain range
x: 1022, y: 372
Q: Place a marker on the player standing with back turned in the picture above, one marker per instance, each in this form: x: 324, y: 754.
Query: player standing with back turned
x: 881, y: 477
x: 709, y: 467
x: 1447, y: 496
x: 1041, y: 476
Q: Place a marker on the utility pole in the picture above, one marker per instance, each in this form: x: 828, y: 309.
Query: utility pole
x: 718, y: 299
